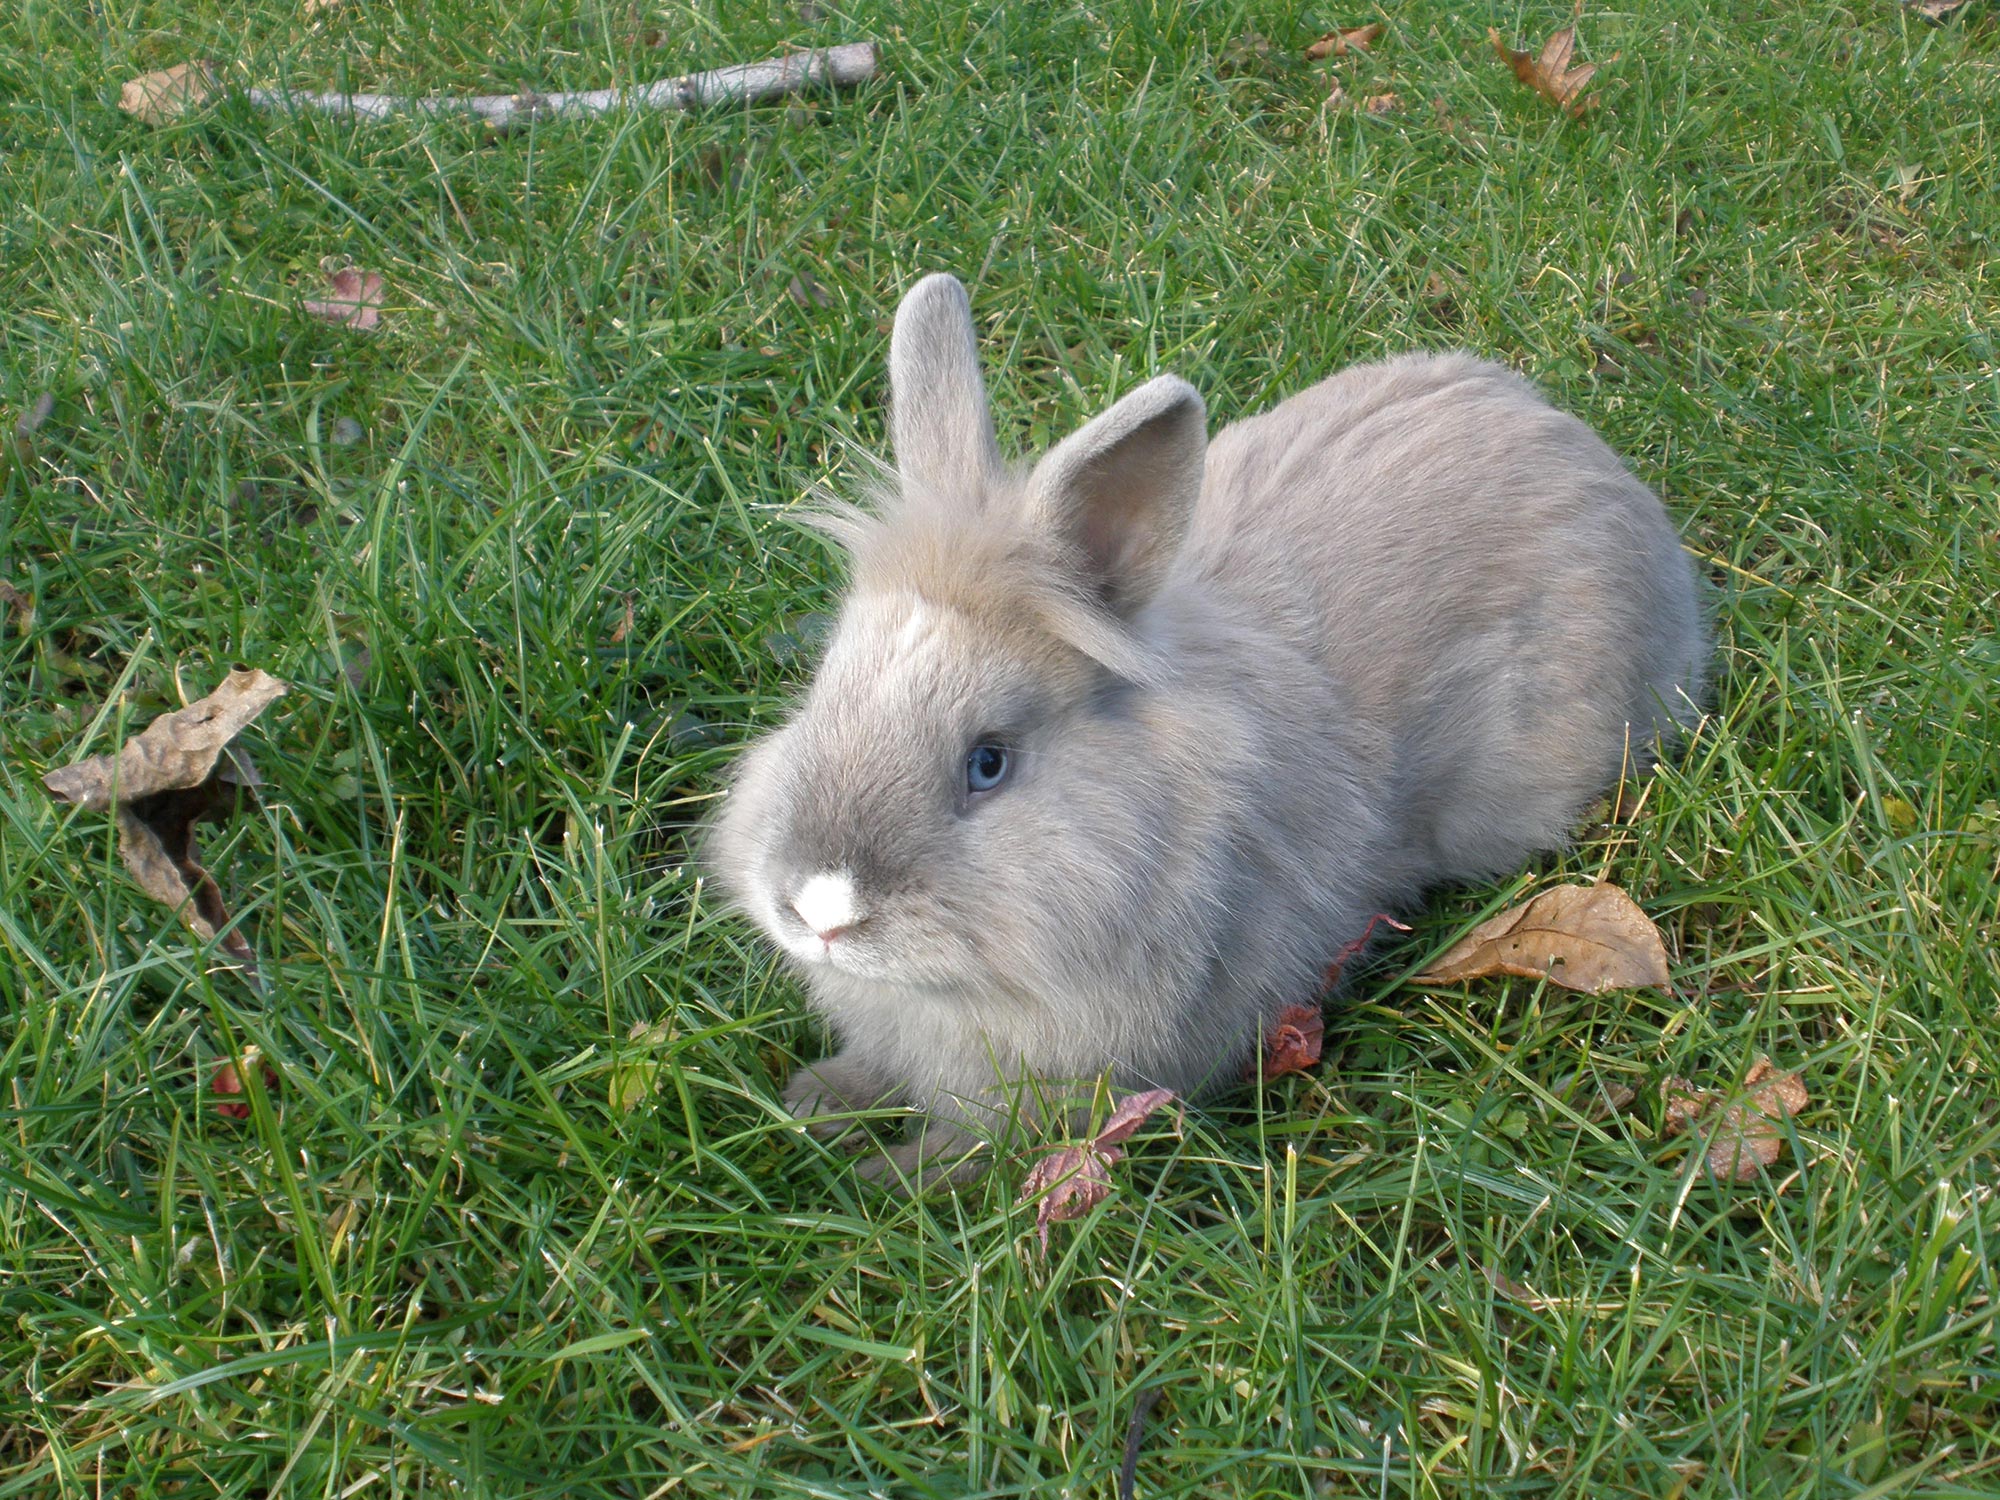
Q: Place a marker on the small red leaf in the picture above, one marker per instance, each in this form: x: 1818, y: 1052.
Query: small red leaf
x: 229, y: 1082
x: 356, y: 300
x: 1129, y: 1115
x: 1292, y: 1045
x: 1350, y: 951
x: 1072, y: 1180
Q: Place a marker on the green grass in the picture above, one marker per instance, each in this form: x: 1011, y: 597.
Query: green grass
x: 442, y: 1258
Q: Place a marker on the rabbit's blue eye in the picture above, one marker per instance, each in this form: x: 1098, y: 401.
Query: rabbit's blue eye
x: 986, y: 767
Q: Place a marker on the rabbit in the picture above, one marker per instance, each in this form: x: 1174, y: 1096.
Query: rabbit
x: 1107, y: 757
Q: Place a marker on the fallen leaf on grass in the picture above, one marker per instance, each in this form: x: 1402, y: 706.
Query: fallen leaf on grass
x: 1744, y: 1137
x: 1584, y: 937
x: 805, y: 290
x: 18, y: 450
x: 1935, y: 10
x: 1251, y: 55
x: 176, y: 773
x: 1293, y: 1045
x: 1340, y: 43
x: 636, y: 1077
x: 1337, y: 98
x: 156, y: 98
x: 317, y: 7
x: 1548, y: 72
x: 26, y: 424
x: 16, y: 606
x: 1349, y: 951
x: 228, y: 1081
x: 1072, y: 1180
x: 356, y: 300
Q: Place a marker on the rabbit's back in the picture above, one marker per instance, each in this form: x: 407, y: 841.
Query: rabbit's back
x: 1486, y: 581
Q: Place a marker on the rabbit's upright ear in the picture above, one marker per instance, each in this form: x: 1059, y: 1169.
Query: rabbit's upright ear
x: 939, y: 419
x: 1121, y: 489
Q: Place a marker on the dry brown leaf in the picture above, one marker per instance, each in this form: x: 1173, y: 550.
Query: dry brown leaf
x: 356, y: 300
x: 157, y: 98
x: 1935, y: 10
x: 1584, y: 937
x: 30, y: 421
x: 805, y: 290
x: 18, y: 607
x: 1681, y: 1104
x: 318, y: 7
x: 1072, y: 1180
x: 1744, y: 1137
x: 228, y: 1082
x: 1340, y: 43
x: 1548, y: 72
x: 1330, y: 976
x: 1337, y: 98
x: 176, y: 773
x: 1293, y: 1044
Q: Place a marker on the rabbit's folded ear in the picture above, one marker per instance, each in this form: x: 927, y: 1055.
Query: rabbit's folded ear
x: 1121, y: 489
x: 939, y: 419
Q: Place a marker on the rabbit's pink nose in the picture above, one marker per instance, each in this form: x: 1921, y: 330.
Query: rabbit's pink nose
x: 829, y: 904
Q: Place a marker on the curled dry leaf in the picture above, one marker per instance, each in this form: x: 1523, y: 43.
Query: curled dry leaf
x: 1744, y: 1137
x: 1129, y: 1115
x: 356, y: 300
x: 1072, y: 1180
x: 636, y: 1077
x: 1337, y: 98
x: 1584, y: 937
x: 157, y: 98
x: 1293, y: 1044
x: 17, y: 607
x: 805, y: 290
x: 1351, y: 950
x: 1548, y: 72
x: 1937, y: 11
x: 179, y: 771
x: 228, y: 1082
x: 27, y: 424
x: 1340, y: 43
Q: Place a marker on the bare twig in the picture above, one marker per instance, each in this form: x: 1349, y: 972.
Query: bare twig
x: 1128, y: 1471
x: 796, y: 72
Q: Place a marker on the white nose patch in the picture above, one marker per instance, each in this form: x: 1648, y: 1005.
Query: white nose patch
x: 828, y: 901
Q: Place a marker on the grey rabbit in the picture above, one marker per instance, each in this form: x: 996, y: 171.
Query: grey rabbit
x: 1107, y: 757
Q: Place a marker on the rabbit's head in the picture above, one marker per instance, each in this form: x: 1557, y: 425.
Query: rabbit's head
x: 969, y: 797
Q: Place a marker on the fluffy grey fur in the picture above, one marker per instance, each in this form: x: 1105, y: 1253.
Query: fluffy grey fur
x: 1397, y: 630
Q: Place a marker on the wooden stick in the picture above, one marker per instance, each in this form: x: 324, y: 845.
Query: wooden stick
x: 160, y: 96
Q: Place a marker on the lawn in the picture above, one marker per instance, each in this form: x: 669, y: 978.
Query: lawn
x: 520, y: 1216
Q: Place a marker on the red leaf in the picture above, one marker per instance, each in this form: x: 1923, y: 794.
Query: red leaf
x: 228, y: 1081
x: 1292, y: 1046
x: 1072, y: 1180
x: 1350, y: 951
x: 356, y: 300
x: 1128, y: 1116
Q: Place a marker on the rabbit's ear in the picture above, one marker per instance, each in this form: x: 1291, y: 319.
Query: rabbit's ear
x: 942, y: 426
x: 1121, y: 489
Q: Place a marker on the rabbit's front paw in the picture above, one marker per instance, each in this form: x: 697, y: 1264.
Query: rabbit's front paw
x: 827, y: 1095
x: 938, y: 1157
